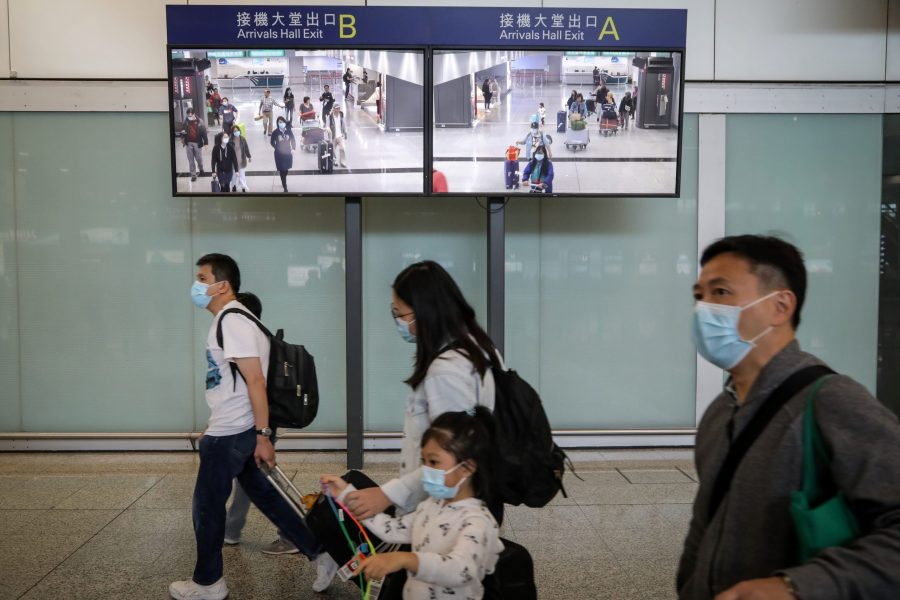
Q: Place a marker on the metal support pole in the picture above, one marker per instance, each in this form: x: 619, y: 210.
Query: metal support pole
x: 353, y: 291
x: 496, y: 271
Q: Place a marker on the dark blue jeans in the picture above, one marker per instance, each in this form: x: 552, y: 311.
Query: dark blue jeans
x: 222, y: 459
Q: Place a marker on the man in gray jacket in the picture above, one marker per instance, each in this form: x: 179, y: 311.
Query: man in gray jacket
x: 749, y: 297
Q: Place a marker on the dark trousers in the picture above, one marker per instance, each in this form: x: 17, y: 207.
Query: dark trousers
x: 224, y: 180
x: 222, y: 458
x: 283, y: 175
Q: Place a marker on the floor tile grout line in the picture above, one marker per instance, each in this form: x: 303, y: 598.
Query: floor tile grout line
x: 87, y: 541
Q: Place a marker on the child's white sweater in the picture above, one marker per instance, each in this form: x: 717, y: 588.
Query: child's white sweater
x: 457, y: 544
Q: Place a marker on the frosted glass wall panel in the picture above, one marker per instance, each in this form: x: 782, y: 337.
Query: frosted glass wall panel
x: 104, y: 270
x: 291, y: 255
x: 396, y: 233
x: 816, y: 180
x: 10, y: 414
x: 598, y: 302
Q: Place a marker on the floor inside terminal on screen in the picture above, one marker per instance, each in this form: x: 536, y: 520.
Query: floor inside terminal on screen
x: 631, y: 161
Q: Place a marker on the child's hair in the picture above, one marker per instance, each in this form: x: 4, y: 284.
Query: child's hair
x: 251, y: 301
x: 467, y: 437
x: 541, y: 104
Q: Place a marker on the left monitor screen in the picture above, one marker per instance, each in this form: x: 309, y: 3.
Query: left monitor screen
x: 312, y: 122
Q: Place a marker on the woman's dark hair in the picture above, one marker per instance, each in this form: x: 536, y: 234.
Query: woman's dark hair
x: 443, y: 318
x: 545, y: 164
x: 281, y: 120
x: 305, y: 99
x: 467, y: 437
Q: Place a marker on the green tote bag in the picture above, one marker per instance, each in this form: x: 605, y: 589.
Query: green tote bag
x: 820, y: 522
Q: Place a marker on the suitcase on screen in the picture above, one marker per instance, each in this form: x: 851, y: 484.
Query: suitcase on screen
x: 326, y: 156
x: 561, y: 118
x: 309, y: 115
x: 214, y: 185
x: 591, y: 106
x: 511, y: 170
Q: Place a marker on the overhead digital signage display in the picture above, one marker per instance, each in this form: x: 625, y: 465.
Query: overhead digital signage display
x: 331, y: 100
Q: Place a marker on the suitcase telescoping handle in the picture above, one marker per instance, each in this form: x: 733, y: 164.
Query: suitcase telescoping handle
x: 285, y: 487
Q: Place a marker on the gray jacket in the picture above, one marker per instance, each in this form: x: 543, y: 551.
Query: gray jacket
x: 752, y: 536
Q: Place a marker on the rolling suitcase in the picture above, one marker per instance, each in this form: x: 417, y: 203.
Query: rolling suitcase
x: 561, y: 118
x: 511, y: 169
x: 591, y: 106
x: 326, y: 156
x: 214, y: 185
x: 327, y: 529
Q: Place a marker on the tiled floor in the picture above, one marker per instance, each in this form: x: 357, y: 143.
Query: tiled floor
x: 119, y: 526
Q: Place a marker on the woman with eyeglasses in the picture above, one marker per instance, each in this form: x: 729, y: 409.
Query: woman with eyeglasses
x: 451, y: 373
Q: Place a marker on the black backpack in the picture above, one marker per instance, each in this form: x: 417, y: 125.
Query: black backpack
x: 291, y: 384
x: 529, y: 466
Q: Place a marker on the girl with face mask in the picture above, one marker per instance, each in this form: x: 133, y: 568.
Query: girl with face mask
x: 539, y: 172
x: 456, y: 539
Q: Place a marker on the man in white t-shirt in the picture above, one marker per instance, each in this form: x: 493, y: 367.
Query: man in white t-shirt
x: 237, y: 438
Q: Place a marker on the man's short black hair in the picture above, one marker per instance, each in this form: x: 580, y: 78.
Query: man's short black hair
x: 252, y: 302
x: 224, y: 268
x: 777, y: 263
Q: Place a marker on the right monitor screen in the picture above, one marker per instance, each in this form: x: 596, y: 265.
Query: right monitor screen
x: 591, y: 123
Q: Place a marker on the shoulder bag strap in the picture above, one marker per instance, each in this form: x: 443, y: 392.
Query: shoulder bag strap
x: 813, y: 444
x: 776, y: 400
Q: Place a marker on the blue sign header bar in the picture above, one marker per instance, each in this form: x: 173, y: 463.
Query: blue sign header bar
x: 338, y: 26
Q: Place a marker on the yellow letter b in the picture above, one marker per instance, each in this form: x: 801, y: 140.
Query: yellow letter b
x: 348, y: 26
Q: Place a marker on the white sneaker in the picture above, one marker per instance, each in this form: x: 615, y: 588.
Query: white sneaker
x: 232, y: 541
x: 326, y: 569
x: 188, y: 590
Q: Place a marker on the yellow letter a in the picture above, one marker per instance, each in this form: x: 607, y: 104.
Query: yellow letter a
x: 609, y: 28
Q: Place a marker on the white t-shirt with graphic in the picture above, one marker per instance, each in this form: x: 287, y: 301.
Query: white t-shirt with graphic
x: 228, y: 400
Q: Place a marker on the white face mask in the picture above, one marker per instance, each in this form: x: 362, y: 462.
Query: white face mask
x: 224, y: 140
x: 714, y: 328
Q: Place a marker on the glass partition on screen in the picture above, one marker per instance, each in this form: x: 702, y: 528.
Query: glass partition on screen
x: 294, y: 121
x: 603, y: 123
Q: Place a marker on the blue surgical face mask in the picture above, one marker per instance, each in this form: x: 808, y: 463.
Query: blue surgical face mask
x: 198, y: 293
x: 237, y: 133
x: 403, y: 328
x: 538, y: 156
x: 433, y: 483
x: 715, y: 332
x: 282, y: 126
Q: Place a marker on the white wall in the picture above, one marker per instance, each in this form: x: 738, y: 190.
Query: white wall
x: 90, y: 39
x: 800, y: 40
x: 4, y: 38
x: 700, y: 28
x: 892, y: 71
x: 771, y: 40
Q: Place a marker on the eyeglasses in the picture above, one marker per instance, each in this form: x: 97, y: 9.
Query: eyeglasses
x: 399, y: 316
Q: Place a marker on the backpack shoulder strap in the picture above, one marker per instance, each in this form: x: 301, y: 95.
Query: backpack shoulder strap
x: 776, y: 400
x: 220, y: 338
